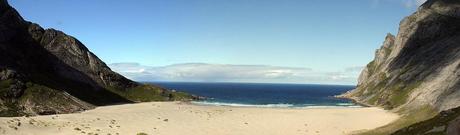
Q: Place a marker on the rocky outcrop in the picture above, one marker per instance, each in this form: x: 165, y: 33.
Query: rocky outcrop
x: 45, y: 71
x: 416, y: 71
x: 420, y: 65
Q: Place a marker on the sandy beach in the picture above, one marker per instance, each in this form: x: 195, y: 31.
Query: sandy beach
x: 176, y: 118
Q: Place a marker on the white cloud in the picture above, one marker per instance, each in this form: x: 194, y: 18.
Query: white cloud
x: 406, y: 3
x: 419, y: 2
x: 354, y: 69
x: 203, y: 72
x: 413, y: 3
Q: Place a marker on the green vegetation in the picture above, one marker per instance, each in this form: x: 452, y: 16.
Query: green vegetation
x: 141, y: 134
x: 5, y: 83
x: 11, y: 111
x: 4, y: 86
x: 373, y: 99
x: 43, y: 95
x: 426, y: 127
x: 371, y: 68
x: 45, y: 99
x: 399, y: 95
x: 389, y: 94
x: 387, y: 51
x: 407, y: 119
x: 7, y: 109
x: 392, y: 94
x: 145, y: 93
x: 48, y: 98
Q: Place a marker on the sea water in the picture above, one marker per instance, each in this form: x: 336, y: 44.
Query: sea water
x: 265, y: 95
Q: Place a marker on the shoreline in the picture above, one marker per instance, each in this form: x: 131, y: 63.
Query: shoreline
x: 354, y: 100
x: 173, y: 118
x: 273, y: 106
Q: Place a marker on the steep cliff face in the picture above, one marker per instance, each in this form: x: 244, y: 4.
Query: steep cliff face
x: 45, y: 71
x: 420, y: 65
x: 416, y: 73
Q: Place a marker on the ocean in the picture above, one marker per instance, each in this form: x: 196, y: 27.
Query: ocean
x: 264, y: 95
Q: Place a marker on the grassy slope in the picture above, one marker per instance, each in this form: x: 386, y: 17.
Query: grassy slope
x: 399, y: 93
x: 407, y: 118
x: 146, y: 92
x: 9, y: 108
x: 40, y: 95
x: 47, y: 98
x: 397, y: 98
x: 426, y: 127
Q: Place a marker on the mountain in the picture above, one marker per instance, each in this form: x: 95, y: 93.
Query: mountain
x: 45, y: 71
x: 416, y: 73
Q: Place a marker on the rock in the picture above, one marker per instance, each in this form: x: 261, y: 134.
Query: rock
x: 45, y: 71
x: 417, y: 71
x: 419, y: 66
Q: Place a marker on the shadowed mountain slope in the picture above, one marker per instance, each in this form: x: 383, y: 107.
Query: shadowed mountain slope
x: 45, y: 71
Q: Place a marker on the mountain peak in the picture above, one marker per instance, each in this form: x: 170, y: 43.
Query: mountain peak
x: 416, y: 72
x: 45, y: 71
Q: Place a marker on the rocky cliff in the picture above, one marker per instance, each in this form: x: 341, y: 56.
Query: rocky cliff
x: 416, y: 71
x: 45, y: 71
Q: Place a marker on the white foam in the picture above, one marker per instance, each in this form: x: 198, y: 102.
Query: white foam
x: 281, y: 105
x: 353, y: 106
x: 345, y: 104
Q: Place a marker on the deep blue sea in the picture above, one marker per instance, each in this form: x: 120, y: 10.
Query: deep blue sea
x: 264, y: 95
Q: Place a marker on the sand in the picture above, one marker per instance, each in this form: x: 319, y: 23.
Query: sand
x: 177, y: 118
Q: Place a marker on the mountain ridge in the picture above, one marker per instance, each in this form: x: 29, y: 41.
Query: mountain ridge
x: 415, y: 73
x: 45, y: 71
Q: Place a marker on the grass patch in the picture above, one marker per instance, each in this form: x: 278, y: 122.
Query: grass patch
x: 387, y: 51
x: 146, y: 93
x: 42, y: 94
x: 4, y: 86
x: 5, y: 83
x: 399, y: 96
x: 441, y: 120
x: 408, y: 118
x: 371, y: 68
x: 8, y: 108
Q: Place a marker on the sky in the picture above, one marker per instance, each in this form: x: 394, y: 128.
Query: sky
x: 264, y: 41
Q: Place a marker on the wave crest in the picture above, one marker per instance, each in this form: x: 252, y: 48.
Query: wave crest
x: 280, y: 105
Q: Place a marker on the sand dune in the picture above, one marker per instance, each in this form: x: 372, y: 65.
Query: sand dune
x: 176, y: 118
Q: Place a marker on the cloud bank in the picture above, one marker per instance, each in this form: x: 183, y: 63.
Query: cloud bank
x: 204, y: 72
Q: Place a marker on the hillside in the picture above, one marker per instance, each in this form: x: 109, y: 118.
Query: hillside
x: 415, y: 73
x: 45, y: 71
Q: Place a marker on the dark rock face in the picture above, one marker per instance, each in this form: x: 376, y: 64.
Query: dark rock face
x: 45, y: 71
x: 417, y: 71
x: 420, y: 65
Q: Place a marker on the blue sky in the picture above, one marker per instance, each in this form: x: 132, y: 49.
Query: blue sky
x: 168, y: 40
